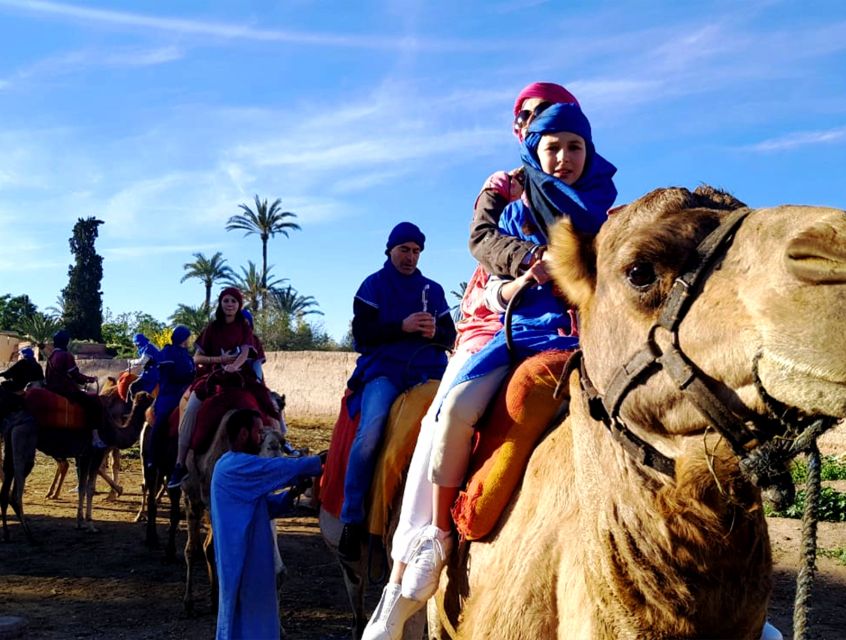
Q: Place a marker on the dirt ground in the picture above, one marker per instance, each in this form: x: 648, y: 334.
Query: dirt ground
x: 108, y: 585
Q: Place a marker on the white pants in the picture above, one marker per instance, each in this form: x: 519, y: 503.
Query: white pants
x: 416, y: 511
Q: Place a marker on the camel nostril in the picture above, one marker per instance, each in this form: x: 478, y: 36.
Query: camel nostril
x: 818, y: 255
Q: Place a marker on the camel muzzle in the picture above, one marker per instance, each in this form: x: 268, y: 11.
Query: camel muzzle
x: 818, y: 255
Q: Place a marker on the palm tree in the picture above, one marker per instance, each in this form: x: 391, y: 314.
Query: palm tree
x: 195, y: 318
x: 253, y: 285
x: 208, y: 270
x: 57, y: 311
x: 39, y: 328
x: 294, y: 304
x: 459, y: 294
x: 265, y: 222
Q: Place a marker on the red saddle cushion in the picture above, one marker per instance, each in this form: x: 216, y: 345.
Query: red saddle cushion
x: 53, y: 410
x: 332, y: 480
x: 212, y: 411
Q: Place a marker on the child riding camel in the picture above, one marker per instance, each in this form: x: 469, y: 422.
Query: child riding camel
x: 564, y: 176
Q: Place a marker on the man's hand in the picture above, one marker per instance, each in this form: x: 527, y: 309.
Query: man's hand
x: 230, y: 368
x: 226, y: 358
x: 420, y: 322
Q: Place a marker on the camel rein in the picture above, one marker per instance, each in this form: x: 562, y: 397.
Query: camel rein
x: 763, y: 457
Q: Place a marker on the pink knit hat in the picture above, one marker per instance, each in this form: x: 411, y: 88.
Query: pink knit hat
x: 548, y: 91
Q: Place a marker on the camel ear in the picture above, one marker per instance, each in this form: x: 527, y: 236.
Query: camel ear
x: 573, y: 262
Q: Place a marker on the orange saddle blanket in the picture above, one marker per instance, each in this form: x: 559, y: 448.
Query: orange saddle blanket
x: 52, y: 410
x: 506, y: 437
x: 398, y: 442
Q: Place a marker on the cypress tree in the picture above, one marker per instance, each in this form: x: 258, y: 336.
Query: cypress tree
x: 83, y: 314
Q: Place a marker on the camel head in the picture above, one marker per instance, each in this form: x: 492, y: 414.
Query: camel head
x: 774, y: 297
x: 272, y: 443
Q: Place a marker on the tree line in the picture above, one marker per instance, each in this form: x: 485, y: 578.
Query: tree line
x: 281, y: 314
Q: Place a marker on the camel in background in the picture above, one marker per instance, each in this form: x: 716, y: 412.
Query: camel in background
x: 22, y: 436
x: 599, y: 542
x: 111, y: 459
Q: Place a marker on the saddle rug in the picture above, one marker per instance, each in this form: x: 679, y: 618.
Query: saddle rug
x: 212, y: 411
x: 505, y: 438
x: 399, y: 439
x: 53, y: 410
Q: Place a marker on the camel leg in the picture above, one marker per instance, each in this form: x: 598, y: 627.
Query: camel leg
x: 20, y: 443
x: 116, y: 489
x: 113, y: 457
x: 55, y: 489
x: 170, y: 550
x: 4, y: 498
x: 151, y: 480
x: 208, y: 549
x: 193, y: 513
x: 141, y: 516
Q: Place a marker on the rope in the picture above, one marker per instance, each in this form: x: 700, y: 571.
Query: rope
x: 805, y: 577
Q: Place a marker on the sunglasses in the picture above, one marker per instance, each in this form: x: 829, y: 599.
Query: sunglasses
x: 525, y: 116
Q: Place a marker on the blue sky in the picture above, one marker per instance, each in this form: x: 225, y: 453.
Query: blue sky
x: 161, y: 117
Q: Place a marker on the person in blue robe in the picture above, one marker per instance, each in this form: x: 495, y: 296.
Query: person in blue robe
x: 176, y: 372
x: 402, y: 327
x: 242, y: 506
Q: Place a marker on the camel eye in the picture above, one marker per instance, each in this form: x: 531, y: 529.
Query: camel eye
x: 641, y: 275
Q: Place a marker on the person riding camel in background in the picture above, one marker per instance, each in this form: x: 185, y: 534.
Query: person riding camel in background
x: 176, y: 373
x: 402, y: 327
x: 64, y: 377
x: 25, y: 370
x: 145, y: 364
x: 225, y: 344
x: 242, y: 506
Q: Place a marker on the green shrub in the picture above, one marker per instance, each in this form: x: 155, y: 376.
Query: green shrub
x: 831, y: 508
x: 833, y: 468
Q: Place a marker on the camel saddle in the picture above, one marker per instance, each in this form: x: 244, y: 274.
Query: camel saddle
x: 399, y: 439
x: 213, y: 409
x: 54, y: 410
x: 521, y: 412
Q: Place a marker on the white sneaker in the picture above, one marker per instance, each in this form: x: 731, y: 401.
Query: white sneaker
x: 769, y: 632
x: 421, y: 576
x: 388, y: 620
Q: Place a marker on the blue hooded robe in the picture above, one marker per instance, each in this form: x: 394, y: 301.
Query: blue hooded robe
x: 241, y: 510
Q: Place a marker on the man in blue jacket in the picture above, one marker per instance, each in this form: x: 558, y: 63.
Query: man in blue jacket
x: 402, y: 327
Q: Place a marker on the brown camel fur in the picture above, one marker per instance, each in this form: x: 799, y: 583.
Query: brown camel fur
x: 597, y: 545
x: 196, y: 487
x: 23, y: 436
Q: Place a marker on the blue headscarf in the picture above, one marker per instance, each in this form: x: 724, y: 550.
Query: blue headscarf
x: 587, y: 201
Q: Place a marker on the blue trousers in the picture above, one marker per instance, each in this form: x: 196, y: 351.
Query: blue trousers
x: 376, y: 400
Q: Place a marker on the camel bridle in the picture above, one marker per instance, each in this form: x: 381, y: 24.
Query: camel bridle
x: 762, y: 456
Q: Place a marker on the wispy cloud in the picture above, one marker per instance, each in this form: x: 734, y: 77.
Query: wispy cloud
x: 800, y: 139
x: 221, y: 30
x: 143, y: 251
x: 84, y: 60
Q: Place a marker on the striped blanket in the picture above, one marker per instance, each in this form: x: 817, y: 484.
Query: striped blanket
x: 52, y: 410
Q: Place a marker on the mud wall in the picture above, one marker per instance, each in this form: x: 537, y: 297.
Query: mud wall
x: 312, y: 381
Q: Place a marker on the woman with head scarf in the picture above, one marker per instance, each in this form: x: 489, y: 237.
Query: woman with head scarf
x: 564, y: 177
x: 224, y: 344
